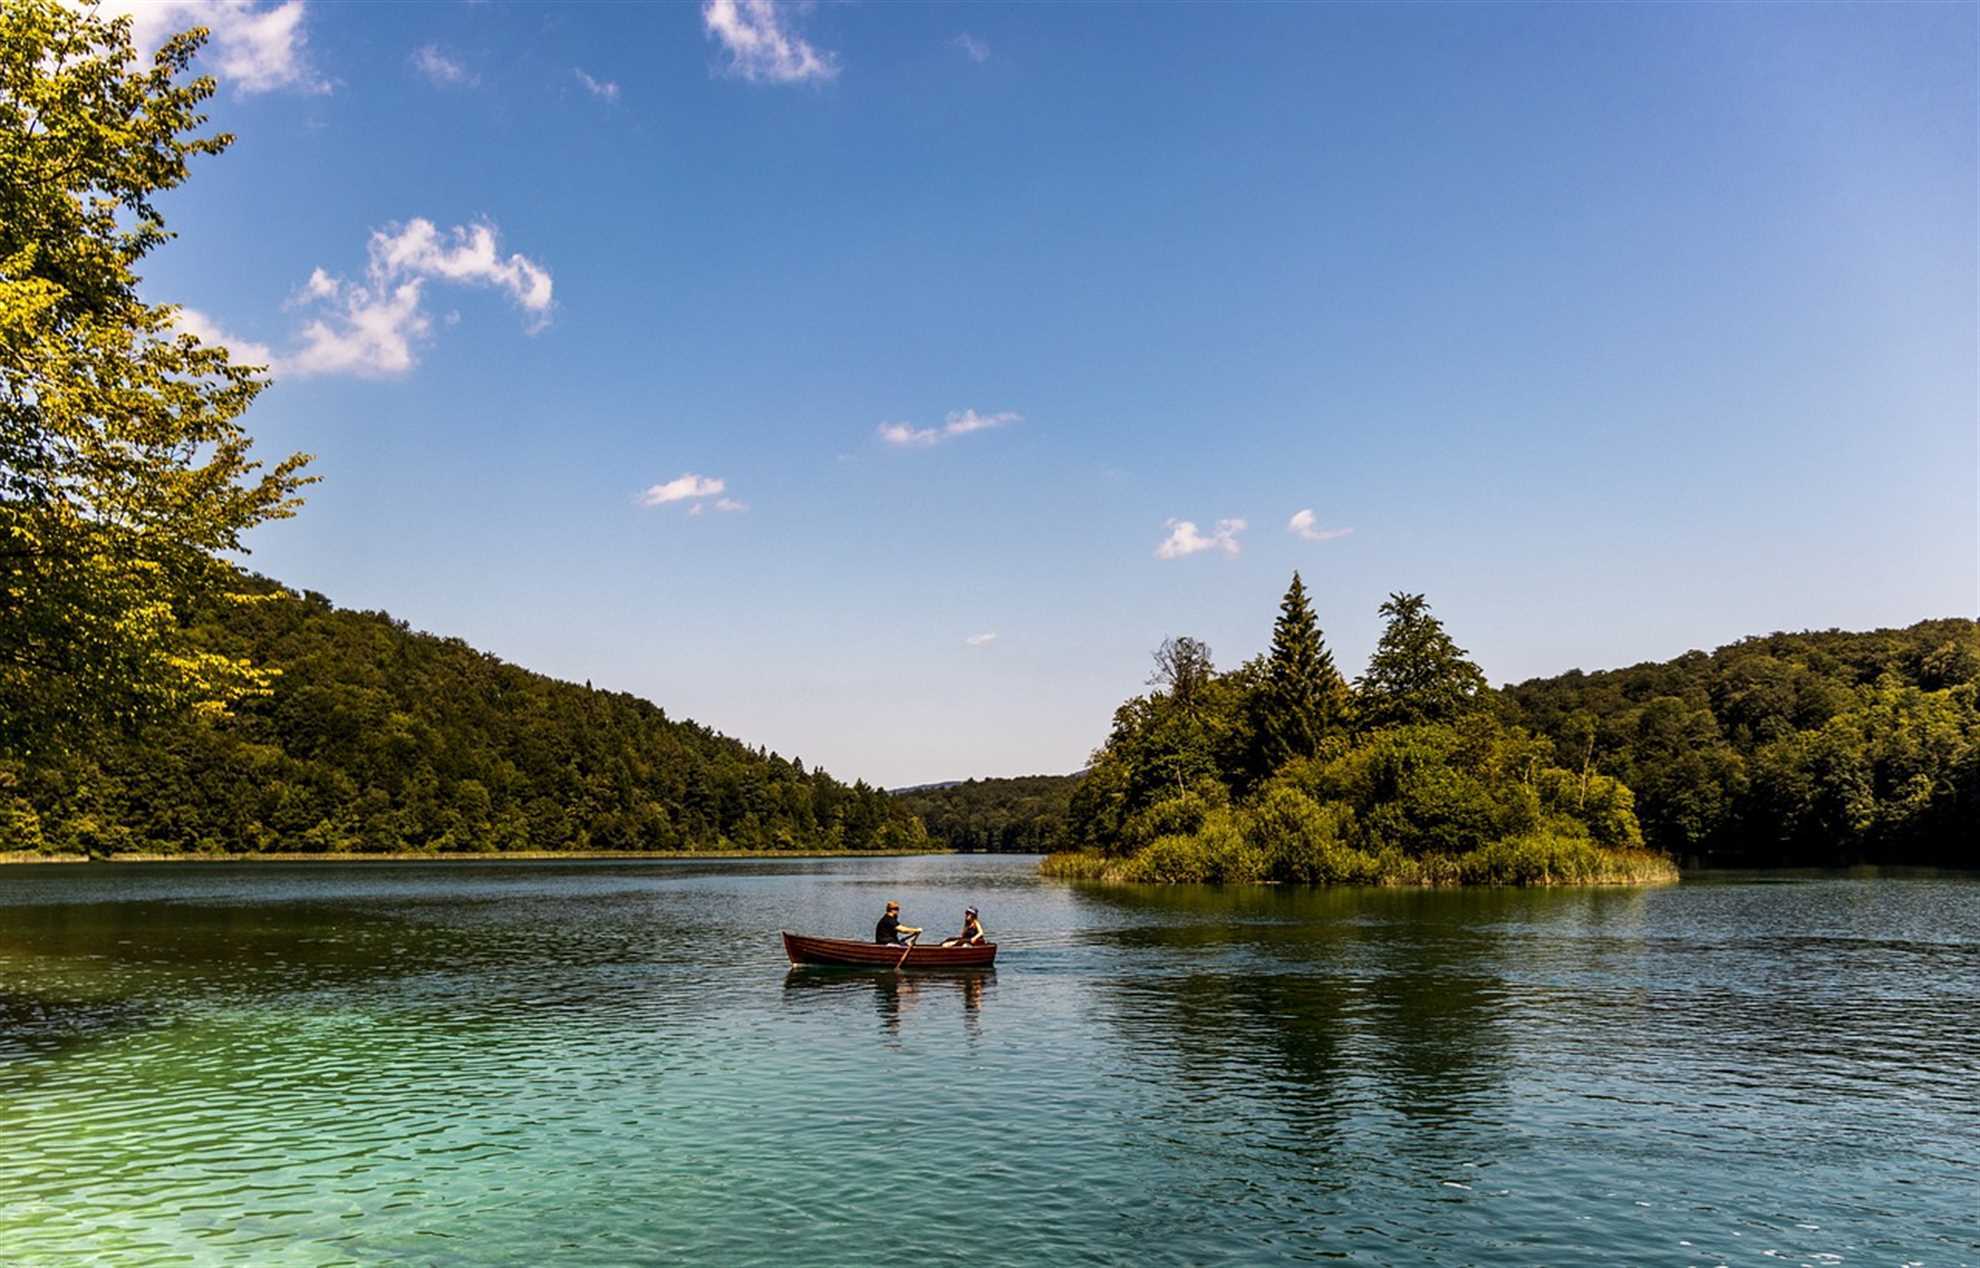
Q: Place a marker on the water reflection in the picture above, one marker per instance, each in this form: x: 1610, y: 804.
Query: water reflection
x: 896, y: 995
x: 1332, y: 998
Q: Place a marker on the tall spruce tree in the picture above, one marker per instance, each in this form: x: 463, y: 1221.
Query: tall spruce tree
x: 1303, y: 695
x: 1417, y: 674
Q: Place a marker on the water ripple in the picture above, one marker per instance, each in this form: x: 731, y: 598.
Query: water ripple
x: 609, y: 1064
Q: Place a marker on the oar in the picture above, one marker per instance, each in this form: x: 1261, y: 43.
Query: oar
x: 904, y: 955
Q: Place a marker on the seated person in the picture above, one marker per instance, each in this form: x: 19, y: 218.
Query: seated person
x: 890, y: 931
x: 972, y: 931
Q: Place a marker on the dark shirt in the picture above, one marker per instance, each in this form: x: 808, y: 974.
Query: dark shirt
x: 888, y: 930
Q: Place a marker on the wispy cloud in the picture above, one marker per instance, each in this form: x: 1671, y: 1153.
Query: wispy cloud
x: 689, y: 487
x: 370, y: 328
x: 1186, y: 539
x: 761, y: 44
x: 193, y: 322
x: 981, y: 640
x: 440, y: 69
x: 1304, y: 526
x: 730, y: 504
x: 976, y: 50
x: 255, y: 49
x: 603, y: 89
x: 958, y: 423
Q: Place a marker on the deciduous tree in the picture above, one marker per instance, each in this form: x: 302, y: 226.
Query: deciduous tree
x: 125, y: 473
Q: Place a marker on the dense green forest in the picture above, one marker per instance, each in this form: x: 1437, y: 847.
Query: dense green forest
x: 377, y: 738
x: 1279, y: 770
x: 1814, y: 749
x: 1810, y: 749
x: 1023, y: 815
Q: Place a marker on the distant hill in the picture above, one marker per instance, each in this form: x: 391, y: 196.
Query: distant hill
x: 378, y: 738
x: 1022, y: 815
x: 1818, y: 748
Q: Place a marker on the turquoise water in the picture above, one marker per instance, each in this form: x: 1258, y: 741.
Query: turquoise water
x: 609, y: 1063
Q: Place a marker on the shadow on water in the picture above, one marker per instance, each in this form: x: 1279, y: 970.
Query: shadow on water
x: 897, y: 995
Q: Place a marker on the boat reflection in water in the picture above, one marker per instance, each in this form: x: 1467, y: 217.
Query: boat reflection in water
x: 896, y: 995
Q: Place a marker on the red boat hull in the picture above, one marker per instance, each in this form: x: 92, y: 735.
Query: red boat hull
x: 842, y: 953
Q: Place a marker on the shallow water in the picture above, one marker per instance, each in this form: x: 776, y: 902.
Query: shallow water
x: 608, y: 1063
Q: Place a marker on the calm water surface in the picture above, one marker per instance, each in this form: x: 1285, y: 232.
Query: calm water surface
x: 608, y: 1063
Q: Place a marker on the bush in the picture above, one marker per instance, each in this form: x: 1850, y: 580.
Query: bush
x: 1180, y: 815
x: 1303, y: 842
x: 1217, y: 853
x: 1604, y: 806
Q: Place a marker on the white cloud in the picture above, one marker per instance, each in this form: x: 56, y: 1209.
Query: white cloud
x: 761, y: 44
x: 1303, y: 525
x: 603, y: 89
x: 958, y: 423
x: 441, y: 69
x: 319, y: 286
x: 368, y: 333
x: 684, y: 488
x: 253, y: 48
x: 899, y: 432
x: 467, y: 255
x: 981, y: 640
x: 371, y: 328
x: 976, y: 50
x: 1185, y: 539
x: 203, y: 328
x: 730, y: 504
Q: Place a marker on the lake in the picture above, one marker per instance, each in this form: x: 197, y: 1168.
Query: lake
x: 610, y: 1063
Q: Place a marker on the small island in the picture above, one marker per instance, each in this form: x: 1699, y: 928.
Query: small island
x: 1281, y: 772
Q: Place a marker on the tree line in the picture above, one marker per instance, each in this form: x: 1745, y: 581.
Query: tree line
x: 1021, y: 815
x: 373, y: 737
x: 1816, y: 749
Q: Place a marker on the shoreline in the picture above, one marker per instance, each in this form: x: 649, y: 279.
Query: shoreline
x: 480, y: 856
x: 1487, y: 868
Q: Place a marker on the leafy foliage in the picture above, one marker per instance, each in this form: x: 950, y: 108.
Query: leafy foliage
x: 124, y: 471
x: 1803, y: 749
x: 376, y: 738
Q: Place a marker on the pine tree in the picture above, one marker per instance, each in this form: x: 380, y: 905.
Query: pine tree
x: 1417, y: 674
x: 1303, y: 695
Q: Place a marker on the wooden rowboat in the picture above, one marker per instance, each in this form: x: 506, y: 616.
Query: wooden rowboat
x: 844, y: 953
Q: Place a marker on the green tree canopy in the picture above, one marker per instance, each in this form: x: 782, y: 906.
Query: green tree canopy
x: 1417, y: 673
x: 124, y: 470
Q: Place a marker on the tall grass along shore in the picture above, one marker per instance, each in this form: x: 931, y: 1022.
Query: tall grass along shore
x: 1229, y: 859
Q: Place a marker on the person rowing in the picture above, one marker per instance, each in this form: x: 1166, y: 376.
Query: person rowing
x: 890, y: 931
x: 972, y: 931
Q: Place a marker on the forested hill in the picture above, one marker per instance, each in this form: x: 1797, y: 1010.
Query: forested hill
x: 1024, y: 815
x: 1800, y: 749
x: 379, y: 738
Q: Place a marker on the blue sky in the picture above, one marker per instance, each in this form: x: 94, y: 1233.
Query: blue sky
x: 1617, y: 330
